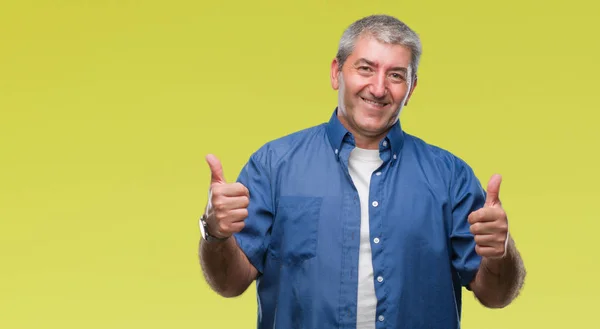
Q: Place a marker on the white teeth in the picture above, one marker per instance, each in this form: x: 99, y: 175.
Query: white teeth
x: 372, y: 102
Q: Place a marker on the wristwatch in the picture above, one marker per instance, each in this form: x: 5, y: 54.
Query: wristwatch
x: 204, y: 231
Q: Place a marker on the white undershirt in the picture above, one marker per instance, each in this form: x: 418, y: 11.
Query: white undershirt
x: 362, y: 163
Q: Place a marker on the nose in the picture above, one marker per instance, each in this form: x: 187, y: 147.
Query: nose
x: 378, y: 86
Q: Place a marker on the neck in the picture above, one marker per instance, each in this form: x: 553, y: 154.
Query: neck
x: 365, y: 142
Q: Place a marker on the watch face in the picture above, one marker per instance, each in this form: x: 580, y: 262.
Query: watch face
x: 202, y: 228
x: 204, y: 231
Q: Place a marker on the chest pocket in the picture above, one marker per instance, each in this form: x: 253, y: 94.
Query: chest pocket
x: 295, y: 231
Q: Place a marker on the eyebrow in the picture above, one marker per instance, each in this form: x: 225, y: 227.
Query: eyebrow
x: 368, y: 62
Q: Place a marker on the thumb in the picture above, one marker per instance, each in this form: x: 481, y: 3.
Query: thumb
x: 493, y: 191
x: 216, y: 169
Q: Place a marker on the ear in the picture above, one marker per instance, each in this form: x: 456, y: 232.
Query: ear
x: 412, y: 88
x: 335, y: 83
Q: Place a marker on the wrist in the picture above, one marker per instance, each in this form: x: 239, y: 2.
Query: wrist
x: 206, y: 233
x: 496, y: 265
x: 492, y: 265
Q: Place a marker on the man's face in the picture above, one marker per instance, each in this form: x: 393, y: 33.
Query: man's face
x: 374, y: 85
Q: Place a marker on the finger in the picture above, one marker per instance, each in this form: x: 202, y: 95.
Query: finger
x: 487, y: 214
x: 230, y: 190
x: 487, y: 240
x: 216, y: 169
x: 489, y: 252
x: 240, y: 189
x: 228, y: 228
x: 238, y: 215
x: 481, y: 228
x: 238, y: 202
x: 237, y: 227
x: 475, y: 216
x: 230, y: 203
x: 493, y: 190
x: 224, y: 218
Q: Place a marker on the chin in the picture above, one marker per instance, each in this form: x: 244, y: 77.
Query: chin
x: 372, y: 123
x: 372, y: 129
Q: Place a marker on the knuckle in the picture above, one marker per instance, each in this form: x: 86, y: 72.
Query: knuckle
x: 220, y: 216
x: 216, y: 189
x: 500, y: 229
x: 216, y: 200
x: 502, y: 213
x: 219, y: 204
x: 223, y: 227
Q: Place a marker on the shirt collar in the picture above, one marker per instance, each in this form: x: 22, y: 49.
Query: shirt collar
x: 336, y: 132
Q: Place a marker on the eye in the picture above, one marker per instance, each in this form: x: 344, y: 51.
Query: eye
x: 364, y: 69
x: 397, y: 76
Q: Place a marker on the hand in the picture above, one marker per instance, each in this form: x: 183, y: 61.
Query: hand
x: 227, y: 203
x: 490, y: 224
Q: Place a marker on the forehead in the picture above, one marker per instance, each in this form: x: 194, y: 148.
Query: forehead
x: 382, y: 54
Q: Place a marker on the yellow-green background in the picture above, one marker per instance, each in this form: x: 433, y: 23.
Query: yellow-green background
x: 107, y: 109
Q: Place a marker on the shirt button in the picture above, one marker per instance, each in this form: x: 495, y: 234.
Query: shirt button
x: 375, y: 203
x: 378, y: 173
x: 381, y: 318
x: 379, y: 279
x: 376, y: 240
x: 336, y: 151
x: 384, y: 143
x: 395, y: 157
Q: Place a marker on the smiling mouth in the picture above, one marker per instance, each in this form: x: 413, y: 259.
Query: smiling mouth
x: 374, y: 103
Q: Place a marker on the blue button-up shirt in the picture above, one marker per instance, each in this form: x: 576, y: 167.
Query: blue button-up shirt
x: 303, y: 231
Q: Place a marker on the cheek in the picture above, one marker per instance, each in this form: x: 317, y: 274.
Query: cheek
x: 355, y: 85
x: 349, y: 97
x: 400, y: 93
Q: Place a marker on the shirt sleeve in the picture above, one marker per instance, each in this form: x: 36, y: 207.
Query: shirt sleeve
x: 467, y: 196
x: 254, y: 238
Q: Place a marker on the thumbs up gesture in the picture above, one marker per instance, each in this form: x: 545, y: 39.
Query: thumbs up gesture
x: 227, y: 206
x: 489, y: 224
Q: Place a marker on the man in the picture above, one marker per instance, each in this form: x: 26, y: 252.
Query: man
x: 355, y: 223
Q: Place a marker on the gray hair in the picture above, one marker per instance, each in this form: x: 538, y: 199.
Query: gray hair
x: 383, y: 28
